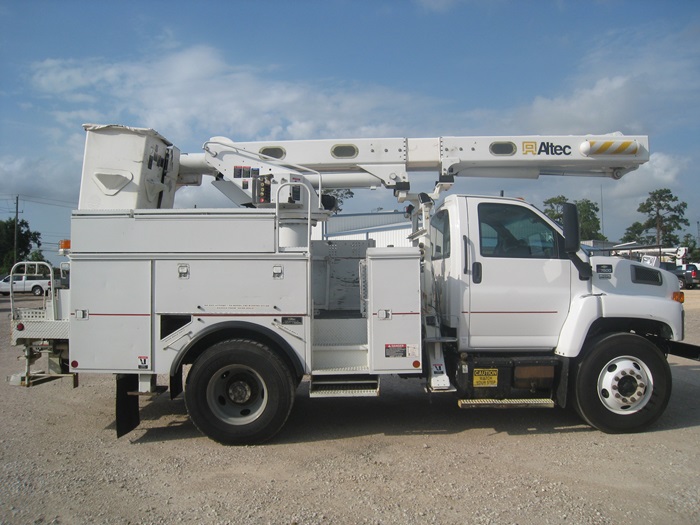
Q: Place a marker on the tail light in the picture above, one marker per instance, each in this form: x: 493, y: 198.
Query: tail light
x: 693, y: 274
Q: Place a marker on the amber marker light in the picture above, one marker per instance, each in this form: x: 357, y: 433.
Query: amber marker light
x: 416, y: 364
x: 679, y: 297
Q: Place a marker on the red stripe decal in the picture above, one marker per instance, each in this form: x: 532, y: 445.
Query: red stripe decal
x: 543, y: 312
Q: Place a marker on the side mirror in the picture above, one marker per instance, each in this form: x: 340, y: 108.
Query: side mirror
x: 572, y: 240
x: 572, y: 235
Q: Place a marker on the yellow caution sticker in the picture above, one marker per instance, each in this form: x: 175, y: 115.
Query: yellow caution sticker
x: 485, y: 377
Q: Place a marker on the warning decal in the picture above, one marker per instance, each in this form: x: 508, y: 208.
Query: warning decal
x: 485, y: 377
x: 401, y: 350
x: 395, y: 350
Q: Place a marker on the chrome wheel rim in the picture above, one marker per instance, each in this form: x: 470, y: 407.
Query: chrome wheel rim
x: 625, y: 385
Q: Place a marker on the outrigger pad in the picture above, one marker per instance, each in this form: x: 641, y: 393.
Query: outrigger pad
x: 127, y: 406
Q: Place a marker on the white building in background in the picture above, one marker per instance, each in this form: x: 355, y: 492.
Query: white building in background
x: 385, y: 228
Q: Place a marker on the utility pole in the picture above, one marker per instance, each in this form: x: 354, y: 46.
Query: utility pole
x: 602, y: 213
x: 14, y: 261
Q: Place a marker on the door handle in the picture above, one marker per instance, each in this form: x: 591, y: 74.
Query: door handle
x: 466, y: 254
x: 476, y: 272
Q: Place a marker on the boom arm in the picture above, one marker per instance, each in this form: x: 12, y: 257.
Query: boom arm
x: 270, y: 173
x: 369, y: 163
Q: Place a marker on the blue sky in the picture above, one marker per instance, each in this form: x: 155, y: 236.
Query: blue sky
x: 348, y: 68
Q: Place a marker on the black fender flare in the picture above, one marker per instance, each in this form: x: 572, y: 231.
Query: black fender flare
x: 225, y: 329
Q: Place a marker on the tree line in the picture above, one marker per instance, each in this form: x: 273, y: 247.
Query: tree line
x: 665, y: 216
x: 28, y: 244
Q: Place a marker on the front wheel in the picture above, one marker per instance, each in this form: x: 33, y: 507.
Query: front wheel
x: 622, y: 384
x: 239, y: 392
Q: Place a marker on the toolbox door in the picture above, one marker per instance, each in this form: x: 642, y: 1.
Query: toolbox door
x: 110, y: 318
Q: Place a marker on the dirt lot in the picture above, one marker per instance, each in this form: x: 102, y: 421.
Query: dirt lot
x: 400, y: 458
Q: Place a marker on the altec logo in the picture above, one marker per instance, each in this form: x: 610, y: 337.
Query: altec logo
x: 545, y: 148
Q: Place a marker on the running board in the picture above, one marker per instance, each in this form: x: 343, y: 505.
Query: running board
x: 344, y: 386
x: 506, y: 403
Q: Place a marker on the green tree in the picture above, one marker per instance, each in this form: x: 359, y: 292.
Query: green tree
x: 587, y: 212
x: 25, y: 239
x: 665, y: 215
x: 340, y: 195
x: 637, y: 233
x: 692, y: 245
x: 589, y: 222
x: 554, y: 208
x: 36, y: 255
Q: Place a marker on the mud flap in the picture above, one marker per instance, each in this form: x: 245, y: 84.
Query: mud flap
x: 127, y: 406
x: 176, y: 384
x: 563, y: 387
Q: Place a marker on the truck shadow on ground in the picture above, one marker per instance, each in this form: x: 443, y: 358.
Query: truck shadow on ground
x: 403, y: 409
x: 327, y: 419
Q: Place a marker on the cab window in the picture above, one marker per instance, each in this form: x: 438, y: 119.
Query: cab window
x: 440, y: 235
x: 511, y: 231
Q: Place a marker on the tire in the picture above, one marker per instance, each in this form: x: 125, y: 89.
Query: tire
x: 622, y: 384
x: 681, y: 284
x: 38, y: 291
x: 239, y: 392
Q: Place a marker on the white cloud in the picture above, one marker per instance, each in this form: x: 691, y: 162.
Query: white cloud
x: 606, y: 106
x: 194, y: 93
x: 662, y: 171
x: 40, y: 177
x: 643, y: 80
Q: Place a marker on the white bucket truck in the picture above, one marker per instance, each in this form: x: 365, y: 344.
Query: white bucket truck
x: 495, y: 303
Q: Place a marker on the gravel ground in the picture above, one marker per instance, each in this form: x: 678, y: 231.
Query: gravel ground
x: 400, y: 458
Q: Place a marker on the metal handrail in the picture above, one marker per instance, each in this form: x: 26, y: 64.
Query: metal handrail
x: 51, y: 286
x: 277, y: 213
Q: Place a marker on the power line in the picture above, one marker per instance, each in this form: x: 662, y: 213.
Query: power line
x: 45, y: 200
x: 60, y: 204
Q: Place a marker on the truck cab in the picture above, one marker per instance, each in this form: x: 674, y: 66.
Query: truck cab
x: 528, y: 319
x: 503, y: 277
x: 505, y: 281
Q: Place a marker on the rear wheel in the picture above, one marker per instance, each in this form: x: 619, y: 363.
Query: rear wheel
x: 622, y: 384
x: 38, y: 291
x: 239, y: 393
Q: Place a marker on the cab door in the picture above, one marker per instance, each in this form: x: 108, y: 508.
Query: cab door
x: 441, y: 252
x: 519, y: 278
x: 450, y: 286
